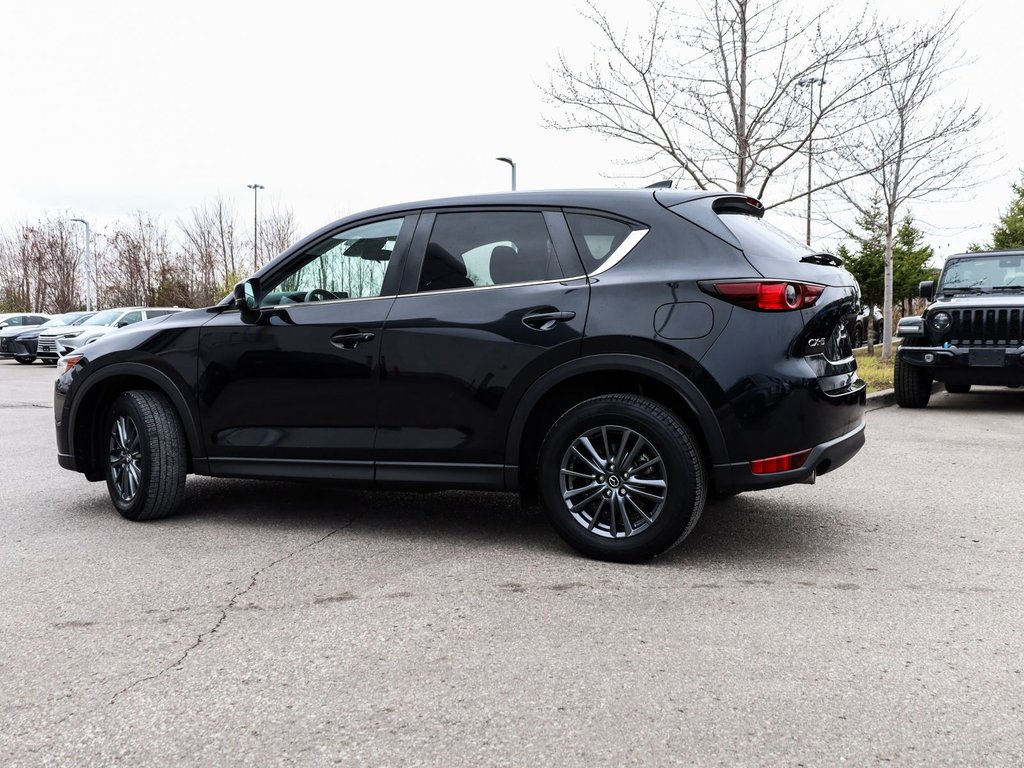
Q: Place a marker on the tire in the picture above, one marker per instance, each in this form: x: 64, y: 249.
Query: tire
x: 913, y: 385
x: 25, y: 360
x: 154, y: 464
x: 858, y: 337
x: 957, y: 389
x: 630, y: 517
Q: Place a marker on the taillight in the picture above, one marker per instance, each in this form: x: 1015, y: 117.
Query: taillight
x: 770, y: 296
x: 779, y: 463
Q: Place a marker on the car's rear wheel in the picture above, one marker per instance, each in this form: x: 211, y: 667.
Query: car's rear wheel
x: 144, y: 453
x: 913, y: 385
x: 621, y: 478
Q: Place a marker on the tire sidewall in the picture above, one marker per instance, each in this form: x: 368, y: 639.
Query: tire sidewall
x: 684, y: 480
x: 125, y: 405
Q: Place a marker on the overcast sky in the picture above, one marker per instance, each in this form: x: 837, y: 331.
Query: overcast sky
x: 111, y: 107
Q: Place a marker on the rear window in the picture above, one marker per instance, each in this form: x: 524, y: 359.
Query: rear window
x: 759, y: 238
x: 596, y: 237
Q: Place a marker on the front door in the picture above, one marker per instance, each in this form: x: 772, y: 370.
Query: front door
x: 295, y: 394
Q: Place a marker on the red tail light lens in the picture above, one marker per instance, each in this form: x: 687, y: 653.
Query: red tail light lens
x: 770, y: 296
x: 779, y: 463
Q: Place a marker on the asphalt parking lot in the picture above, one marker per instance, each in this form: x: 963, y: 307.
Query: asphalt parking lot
x: 875, y: 617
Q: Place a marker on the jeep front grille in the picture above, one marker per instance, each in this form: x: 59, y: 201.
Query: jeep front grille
x: 992, y: 327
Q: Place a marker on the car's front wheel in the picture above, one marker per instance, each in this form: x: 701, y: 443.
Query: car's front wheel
x: 144, y: 453
x: 621, y: 478
x: 912, y: 383
x: 25, y: 360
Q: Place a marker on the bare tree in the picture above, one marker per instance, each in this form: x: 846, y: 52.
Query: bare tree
x: 715, y: 99
x: 277, y: 233
x: 922, y: 147
x: 211, y: 248
x: 134, y: 253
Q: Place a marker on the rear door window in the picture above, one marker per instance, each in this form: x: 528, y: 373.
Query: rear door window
x: 474, y: 249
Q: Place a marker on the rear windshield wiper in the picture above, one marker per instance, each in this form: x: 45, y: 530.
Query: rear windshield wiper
x: 826, y: 259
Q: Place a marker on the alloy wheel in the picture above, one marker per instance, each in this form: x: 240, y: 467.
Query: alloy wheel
x: 613, y: 482
x: 125, y: 460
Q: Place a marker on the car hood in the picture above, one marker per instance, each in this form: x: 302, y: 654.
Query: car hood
x: 76, y: 328
x: 978, y: 300
x: 16, y: 330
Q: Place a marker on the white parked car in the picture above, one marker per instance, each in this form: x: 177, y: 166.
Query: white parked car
x: 22, y: 319
x: 61, y: 341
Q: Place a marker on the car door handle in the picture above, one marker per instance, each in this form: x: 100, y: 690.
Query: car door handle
x: 545, y: 321
x: 350, y: 339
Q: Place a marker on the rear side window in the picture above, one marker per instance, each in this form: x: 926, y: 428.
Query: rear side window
x: 596, y: 237
x: 477, y: 249
x: 759, y: 238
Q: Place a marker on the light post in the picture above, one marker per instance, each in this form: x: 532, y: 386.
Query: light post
x: 88, y: 264
x: 509, y: 161
x: 809, y: 82
x: 255, y: 222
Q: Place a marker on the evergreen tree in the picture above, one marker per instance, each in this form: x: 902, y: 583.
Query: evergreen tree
x: 909, y: 256
x: 868, y: 263
x: 909, y: 259
x: 1009, y: 232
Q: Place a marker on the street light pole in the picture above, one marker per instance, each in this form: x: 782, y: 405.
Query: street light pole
x: 509, y: 161
x: 808, y: 82
x: 255, y: 222
x: 88, y: 264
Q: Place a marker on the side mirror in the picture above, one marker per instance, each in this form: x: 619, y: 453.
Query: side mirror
x: 926, y: 288
x: 246, y: 301
x: 122, y: 324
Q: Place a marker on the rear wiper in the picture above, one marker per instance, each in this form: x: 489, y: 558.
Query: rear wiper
x: 826, y: 259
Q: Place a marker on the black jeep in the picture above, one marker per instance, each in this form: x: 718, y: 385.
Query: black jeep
x: 971, y: 334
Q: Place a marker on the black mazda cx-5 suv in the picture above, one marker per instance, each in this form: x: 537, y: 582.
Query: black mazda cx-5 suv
x: 616, y: 354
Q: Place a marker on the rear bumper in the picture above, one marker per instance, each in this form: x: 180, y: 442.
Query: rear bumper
x: 733, y: 478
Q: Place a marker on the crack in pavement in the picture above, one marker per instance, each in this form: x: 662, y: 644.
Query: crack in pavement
x: 203, y: 636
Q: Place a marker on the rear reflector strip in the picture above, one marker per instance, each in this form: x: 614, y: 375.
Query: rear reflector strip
x: 779, y: 463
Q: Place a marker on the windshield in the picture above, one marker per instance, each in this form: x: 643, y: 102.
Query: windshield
x: 108, y: 317
x: 983, y: 273
x: 59, y: 320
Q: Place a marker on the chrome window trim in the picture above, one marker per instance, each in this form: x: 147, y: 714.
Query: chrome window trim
x: 295, y: 304
x: 492, y: 287
x: 622, y: 251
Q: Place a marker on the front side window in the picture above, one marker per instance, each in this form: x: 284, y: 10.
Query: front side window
x: 348, y: 265
x: 130, y: 318
x: 476, y: 249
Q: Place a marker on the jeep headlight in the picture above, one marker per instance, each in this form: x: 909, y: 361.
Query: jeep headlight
x: 941, y: 321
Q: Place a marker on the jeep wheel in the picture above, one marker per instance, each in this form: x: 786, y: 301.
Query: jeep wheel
x: 858, y: 337
x: 957, y: 389
x: 912, y: 383
x: 621, y: 478
x: 144, y: 453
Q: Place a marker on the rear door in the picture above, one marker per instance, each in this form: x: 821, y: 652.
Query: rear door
x: 491, y: 299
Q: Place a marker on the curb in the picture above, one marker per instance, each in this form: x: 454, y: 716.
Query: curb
x: 887, y: 397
